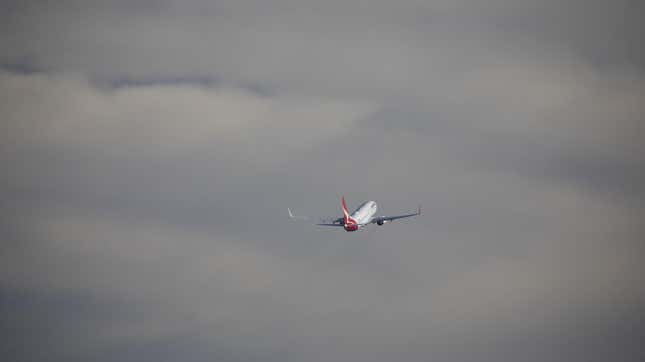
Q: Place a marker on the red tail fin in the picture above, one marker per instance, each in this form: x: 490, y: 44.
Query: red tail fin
x: 347, y: 218
x: 348, y: 223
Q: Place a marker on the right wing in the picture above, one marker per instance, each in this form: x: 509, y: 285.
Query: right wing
x: 382, y: 219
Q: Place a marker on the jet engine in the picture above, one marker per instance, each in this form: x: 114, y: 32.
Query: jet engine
x: 381, y: 222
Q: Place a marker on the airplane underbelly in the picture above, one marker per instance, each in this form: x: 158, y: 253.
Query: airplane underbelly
x: 365, y: 218
x: 364, y: 215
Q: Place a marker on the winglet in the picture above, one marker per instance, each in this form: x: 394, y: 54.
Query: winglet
x: 296, y: 217
x: 419, y: 210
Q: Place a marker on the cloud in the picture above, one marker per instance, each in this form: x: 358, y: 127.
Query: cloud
x: 203, y: 285
x: 151, y: 148
x: 73, y: 112
x: 332, y: 47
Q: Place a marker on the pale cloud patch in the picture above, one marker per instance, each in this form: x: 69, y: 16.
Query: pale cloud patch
x: 70, y: 111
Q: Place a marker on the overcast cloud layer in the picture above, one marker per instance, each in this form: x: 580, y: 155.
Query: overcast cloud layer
x: 150, y: 149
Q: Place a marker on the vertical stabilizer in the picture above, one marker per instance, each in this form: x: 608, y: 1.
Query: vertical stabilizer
x: 347, y: 218
x: 345, y: 211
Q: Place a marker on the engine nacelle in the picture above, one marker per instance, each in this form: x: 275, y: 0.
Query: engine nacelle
x: 381, y: 222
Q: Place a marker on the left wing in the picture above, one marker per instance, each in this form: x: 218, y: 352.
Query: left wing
x: 383, y: 219
x: 292, y: 216
x: 334, y: 222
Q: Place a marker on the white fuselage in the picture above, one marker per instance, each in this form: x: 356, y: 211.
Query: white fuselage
x: 364, y: 214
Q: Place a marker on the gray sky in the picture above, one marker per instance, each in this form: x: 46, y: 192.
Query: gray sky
x: 150, y: 149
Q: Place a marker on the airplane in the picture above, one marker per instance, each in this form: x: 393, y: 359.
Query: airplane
x: 363, y: 216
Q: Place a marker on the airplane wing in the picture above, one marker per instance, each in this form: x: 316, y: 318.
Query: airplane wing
x: 334, y: 222
x: 337, y: 225
x: 384, y: 219
x: 292, y: 216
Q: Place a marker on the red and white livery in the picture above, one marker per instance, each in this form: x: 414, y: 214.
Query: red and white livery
x: 363, y: 216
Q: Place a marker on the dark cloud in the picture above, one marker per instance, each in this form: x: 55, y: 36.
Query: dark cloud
x: 151, y: 148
